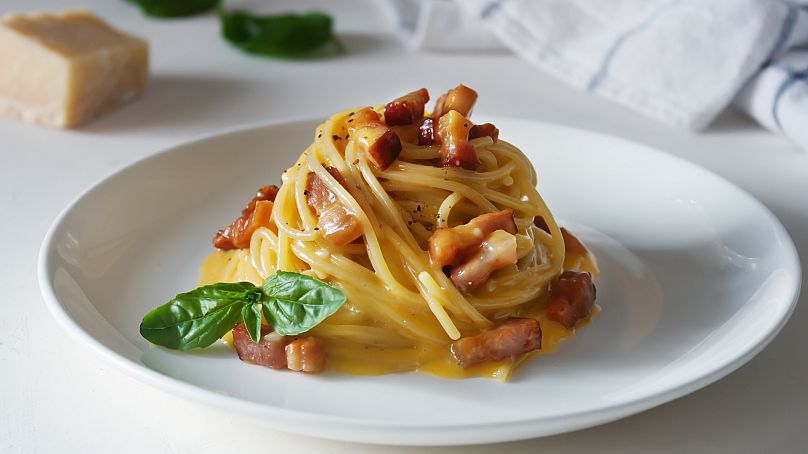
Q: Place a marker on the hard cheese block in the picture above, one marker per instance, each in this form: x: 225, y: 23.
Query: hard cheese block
x: 64, y: 69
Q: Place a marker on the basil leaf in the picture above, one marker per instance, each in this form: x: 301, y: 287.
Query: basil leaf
x: 174, y: 8
x: 283, y: 35
x: 251, y: 316
x: 198, y: 318
x: 295, y: 303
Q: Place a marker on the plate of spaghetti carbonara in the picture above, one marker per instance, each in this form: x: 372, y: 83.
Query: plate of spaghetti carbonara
x: 405, y: 273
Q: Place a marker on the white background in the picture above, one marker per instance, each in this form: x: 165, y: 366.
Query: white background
x: 56, y: 396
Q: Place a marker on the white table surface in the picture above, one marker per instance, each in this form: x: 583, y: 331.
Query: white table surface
x: 56, y: 396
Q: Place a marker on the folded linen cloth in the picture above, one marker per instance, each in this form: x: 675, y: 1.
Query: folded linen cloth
x: 679, y: 61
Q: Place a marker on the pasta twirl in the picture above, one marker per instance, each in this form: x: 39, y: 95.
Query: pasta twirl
x: 403, y: 311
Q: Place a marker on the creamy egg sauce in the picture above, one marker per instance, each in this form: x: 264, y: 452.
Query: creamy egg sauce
x: 359, y: 359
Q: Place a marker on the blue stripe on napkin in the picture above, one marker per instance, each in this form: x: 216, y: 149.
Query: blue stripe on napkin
x: 607, y: 59
x: 792, y: 77
x: 786, y: 29
x: 490, y: 8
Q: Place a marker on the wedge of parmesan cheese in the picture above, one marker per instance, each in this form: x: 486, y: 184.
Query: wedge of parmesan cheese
x: 66, y: 68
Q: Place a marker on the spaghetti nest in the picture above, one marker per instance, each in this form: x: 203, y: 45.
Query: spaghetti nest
x: 403, y: 309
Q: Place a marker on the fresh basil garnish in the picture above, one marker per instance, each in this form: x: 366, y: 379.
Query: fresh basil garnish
x: 197, y: 318
x: 284, y: 35
x: 251, y: 316
x: 295, y: 303
x: 287, y: 35
x: 292, y: 303
x: 175, y: 8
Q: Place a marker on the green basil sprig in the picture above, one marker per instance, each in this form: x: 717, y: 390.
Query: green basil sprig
x: 287, y: 35
x: 175, y: 8
x: 292, y: 303
x: 295, y: 303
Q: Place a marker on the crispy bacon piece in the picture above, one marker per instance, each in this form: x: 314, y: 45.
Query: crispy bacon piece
x: 407, y: 133
x: 513, y: 337
x: 497, y: 251
x: 406, y: 109
x: 318, y: 196
x: 460, y: 99
x: 572, y: 244
x: 265, y: 353
x: 453, y: 246
x: 453, y: 131
x: 476, y: 249
x: 450, y: 127
x: 306, y: 355
x: 255, y: 214
x: 572, y: 297
x: 428, y: 132
x: 539, y: 222
x: 363, y: 117
x: 338, y: 225
x: 380, y: 143
x: 485, y: 129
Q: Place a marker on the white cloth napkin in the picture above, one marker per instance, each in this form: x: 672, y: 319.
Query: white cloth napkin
x: 679, y: 61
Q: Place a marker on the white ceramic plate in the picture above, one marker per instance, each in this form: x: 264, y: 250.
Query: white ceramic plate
x: 697, y: 278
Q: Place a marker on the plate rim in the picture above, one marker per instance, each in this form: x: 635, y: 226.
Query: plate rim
x: 384, y: 432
